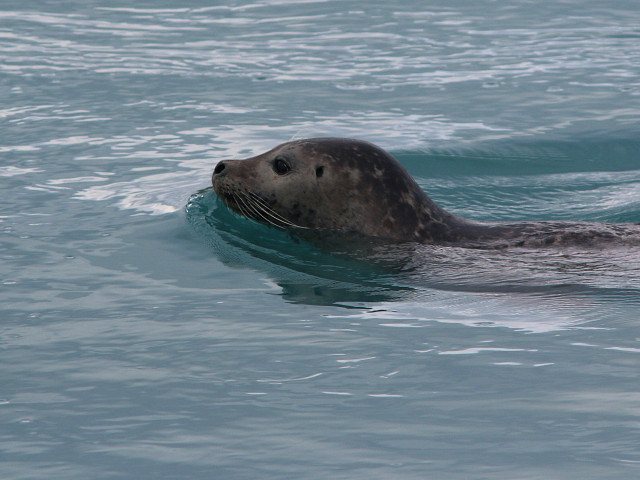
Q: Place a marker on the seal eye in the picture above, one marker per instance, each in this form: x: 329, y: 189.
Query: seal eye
x: 280, y: 166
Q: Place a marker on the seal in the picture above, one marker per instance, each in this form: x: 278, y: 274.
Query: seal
x: 341, y: 185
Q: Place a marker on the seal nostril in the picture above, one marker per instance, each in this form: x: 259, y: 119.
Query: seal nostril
x: 219, y: 168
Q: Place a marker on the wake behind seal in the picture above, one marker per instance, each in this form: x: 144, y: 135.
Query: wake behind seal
x: 347, y: 186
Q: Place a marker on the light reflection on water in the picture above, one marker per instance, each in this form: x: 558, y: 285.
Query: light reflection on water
x: 138, y: 344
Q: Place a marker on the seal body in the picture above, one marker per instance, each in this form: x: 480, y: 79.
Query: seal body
x: 341, y: 185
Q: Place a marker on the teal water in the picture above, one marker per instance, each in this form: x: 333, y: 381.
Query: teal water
x: 146, y: 332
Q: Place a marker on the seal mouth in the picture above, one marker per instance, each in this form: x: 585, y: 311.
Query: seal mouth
x: 253, y: 206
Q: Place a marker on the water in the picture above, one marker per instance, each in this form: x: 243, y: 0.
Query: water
x: 147, y: 332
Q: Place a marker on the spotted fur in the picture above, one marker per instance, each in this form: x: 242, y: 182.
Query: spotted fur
x: 351, y: 186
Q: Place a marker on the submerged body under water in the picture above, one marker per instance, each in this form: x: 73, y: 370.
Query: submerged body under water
x: 606, y: 266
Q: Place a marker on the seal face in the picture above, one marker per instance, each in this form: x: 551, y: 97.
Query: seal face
x: 352, y: 186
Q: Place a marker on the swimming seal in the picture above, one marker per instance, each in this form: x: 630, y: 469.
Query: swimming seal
x: 342, y: 185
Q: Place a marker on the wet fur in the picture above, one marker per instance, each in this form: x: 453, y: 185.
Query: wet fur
x: 351, y: 186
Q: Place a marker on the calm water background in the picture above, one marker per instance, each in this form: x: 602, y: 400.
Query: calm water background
x: 141, y: 338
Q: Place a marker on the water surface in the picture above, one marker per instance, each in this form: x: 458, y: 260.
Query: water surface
x: 147, y: 332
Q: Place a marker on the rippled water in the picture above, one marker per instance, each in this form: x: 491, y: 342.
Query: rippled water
x: 148, y: 332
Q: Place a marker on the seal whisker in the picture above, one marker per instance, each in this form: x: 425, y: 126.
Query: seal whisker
x: 256, y: 210
x: 248, y: 207
x: 259, y: 202
x: 266, y: 212
x: 260, y: 205
x: 241, y: 206
x: 295, y: 135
